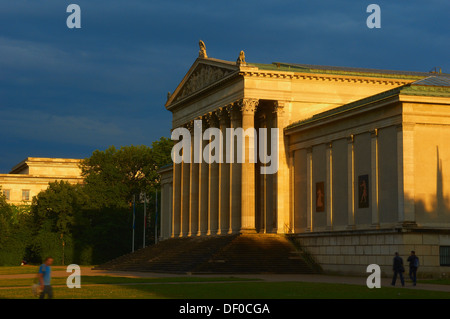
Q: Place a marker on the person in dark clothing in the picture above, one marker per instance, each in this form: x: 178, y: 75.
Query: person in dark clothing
x: 413, y: 265
x: 398, y: 270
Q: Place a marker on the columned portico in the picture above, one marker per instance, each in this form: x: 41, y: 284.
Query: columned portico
x: 230, y: 194
x: 207, y: 196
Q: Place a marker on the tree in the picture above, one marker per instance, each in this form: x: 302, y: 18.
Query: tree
x: 113, y: 176
x: 16, y: 228
x: 5, y: 219
x: 56, y: 211
x: 58, y: 205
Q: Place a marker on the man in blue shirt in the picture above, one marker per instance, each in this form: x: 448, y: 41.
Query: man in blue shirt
x: 45, y: 277
x: 413, y: 265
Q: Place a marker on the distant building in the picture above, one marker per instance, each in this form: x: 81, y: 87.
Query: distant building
x: 33, y: 175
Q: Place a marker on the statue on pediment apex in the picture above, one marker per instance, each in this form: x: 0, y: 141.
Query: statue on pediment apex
x: 241, y: 59
x: 202, y: 51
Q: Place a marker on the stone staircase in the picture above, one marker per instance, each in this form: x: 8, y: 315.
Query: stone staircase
x: 229, y: 254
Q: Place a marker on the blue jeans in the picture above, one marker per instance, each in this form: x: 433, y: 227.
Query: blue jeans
x: 394, y: 279
x: 47, y: 291
x: 413, y: 274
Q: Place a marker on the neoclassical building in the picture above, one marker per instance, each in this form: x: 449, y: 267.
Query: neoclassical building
x: 33, y: 174
x: 363, y: 160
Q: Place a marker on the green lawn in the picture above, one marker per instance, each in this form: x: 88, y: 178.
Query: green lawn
x: 435, y: 281
x: 24, y: 282
x: 240, y: 290
x: 109, y: 287
x: 17, y: 270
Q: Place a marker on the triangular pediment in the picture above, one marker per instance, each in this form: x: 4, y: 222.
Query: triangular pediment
x: 202, y: 74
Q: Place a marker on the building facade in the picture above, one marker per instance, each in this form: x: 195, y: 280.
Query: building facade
x: 362, y: 160
x: 32, y: 175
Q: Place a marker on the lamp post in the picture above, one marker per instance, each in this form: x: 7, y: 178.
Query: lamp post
x: 156, y: 216
x: 134, y: 222
x: 145, y: 218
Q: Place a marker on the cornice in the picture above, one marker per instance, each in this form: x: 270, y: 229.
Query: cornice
x: 325, y: 77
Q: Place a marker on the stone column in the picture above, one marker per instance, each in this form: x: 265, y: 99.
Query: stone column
x: 291, y: 192
x: 309, y: 191
x: 176, y: 200
x: 166, y: 214
x: 196, y: 152
x: 263, y: 193
x: 203, y: 196
x: 374, y: 178
x: 248, y: 109
x: 329, y: 186
x: 405, y: 167
x: 224, y: 177
x: 282, y: 176
x: 213, y: 209
x: 350, y: 183
x: 235, y: 174
x: 185, y: 193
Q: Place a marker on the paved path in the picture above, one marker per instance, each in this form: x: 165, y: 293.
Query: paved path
x: 385, y: 282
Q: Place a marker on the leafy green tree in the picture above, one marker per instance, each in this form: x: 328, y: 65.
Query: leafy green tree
x: 5, y: 219
x: 16, y: 229
x: 58, y: 205
x: 113, y: 176
x: 56, y: 211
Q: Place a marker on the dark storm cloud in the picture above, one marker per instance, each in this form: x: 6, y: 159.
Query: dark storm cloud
x: 67, y: 92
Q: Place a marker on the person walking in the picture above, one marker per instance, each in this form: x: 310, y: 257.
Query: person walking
x: 413, y: 265
x: 398, y: 269
x: 45, y: 276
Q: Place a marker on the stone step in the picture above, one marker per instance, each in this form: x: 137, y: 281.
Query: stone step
x: 256, y: 253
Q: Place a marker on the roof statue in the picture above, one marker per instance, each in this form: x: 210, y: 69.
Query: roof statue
x: 241, y: 59
x: 202, y: 51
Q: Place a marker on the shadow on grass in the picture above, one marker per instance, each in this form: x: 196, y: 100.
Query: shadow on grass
x: 240, y: 290
x: 283, y: 290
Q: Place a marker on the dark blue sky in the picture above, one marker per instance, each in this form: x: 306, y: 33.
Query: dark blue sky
x: 65, y: 93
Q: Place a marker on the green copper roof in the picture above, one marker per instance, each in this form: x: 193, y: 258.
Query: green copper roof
x: 279, y: 67
x: 409, y: 89
x: 309, y: 68
x: 441, y: 80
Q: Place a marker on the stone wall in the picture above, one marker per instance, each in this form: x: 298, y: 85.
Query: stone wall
x: 351, y: 252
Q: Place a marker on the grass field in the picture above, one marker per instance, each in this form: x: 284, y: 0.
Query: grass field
x: 224, y: 287
x: 227, y: 290
x: 102, y: 280
x: 20, y: 270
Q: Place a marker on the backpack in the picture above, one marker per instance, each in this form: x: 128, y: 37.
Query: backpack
x: 416, y: 262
